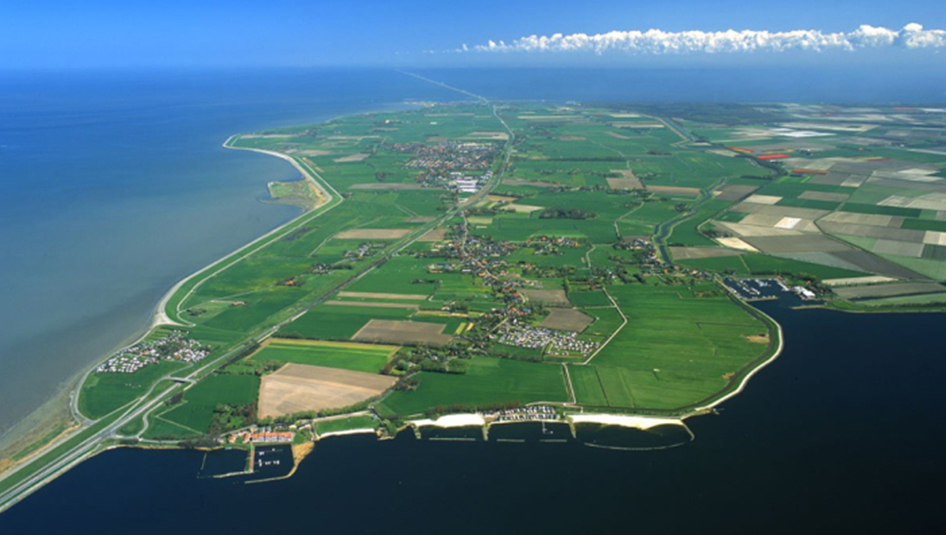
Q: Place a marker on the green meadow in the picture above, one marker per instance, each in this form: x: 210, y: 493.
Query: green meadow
x: 363, y: 358
x: 488, y: 381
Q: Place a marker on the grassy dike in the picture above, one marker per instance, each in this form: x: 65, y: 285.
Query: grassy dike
x: 82, y: 443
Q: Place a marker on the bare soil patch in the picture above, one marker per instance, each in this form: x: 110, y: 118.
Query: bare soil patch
x: 373, y: 234
x: 300, y: 388
x: 548, y: 297
x: 522, y: 208
x: 764, y: 199
x: 371, y: 304
x: 496, y: 136
x: 734, y: 192
x: 627, y: 180
x: 379, y: 295
x: 888, y: 290
x: 437, y: 234
x: 357, y: 157
x: 692, y: 253
x: 758, y: 338
x: 675, y: 190
x: 402, y: 332
x: 567, y: 319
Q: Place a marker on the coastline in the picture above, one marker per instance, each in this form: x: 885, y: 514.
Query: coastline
x: 63, y: 406
x: 750, y: 373
x: 174, y: 300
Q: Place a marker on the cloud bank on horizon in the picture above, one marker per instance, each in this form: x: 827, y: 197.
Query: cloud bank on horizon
x: 911, y: 37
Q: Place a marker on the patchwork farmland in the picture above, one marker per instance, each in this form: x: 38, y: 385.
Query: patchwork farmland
x: 477, y: 257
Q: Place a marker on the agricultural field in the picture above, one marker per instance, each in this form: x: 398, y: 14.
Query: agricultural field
x: 347, y: 356
x: 858, y: 198
x: 679, y: 346
x: 103, y: 393
x: 298, y: 388
x: 449, y: 260
x: 488, y: 381
x: 199, y: 407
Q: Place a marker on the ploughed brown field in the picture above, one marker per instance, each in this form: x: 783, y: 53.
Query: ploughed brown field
x: 437, y: 234
x: 381, y: 295
x: 566, y: 319
x: 301, y: 388
x: 373, y: 234
x: 547, y: 297
x: 675, y: 190
x: 627, y: 180
x: 402, y: 332
x: 690, y: 253
x: 372, y: 304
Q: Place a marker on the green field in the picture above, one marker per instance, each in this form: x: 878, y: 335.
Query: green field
x: 488, y: 381
x: 675, y: 349
x: 363, y: 358
x: 197, y: 410
x: 331, y: 322
x: 103, y: 393
x: 587, y: 385
x: 859, y: 208
x: 589, y: 299
x: 346, y: 424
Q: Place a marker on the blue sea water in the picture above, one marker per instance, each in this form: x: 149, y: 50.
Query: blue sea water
x: 113, y: 186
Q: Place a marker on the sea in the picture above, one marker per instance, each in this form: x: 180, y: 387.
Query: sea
x: 114, y: 185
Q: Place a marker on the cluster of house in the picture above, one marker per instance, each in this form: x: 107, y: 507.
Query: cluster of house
x: 174, y: 346
x: 551, y: 244
x: 568, y: 344
x: 260, y: 437
x: 527, y: 414
x: 449, y: 155
x: 559, y: 343
x: 363, y: 250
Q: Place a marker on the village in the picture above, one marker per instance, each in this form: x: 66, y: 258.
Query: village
x: 440, y: 158
x: 559, y: 343
x: 173, y: 347
x: 448, y: 164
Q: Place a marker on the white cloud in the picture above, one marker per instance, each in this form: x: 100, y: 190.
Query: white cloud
x: 912, y: 36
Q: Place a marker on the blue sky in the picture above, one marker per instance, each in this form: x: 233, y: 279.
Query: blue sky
x: 198, y: 33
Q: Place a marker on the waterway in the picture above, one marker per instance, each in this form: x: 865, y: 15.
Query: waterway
x: 840, y: 434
